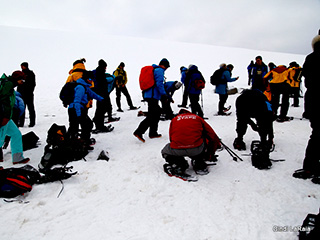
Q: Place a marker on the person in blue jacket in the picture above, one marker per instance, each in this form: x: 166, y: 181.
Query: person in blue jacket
x: 152, y: 96
x: 78, y: 112
x: 222, y: 88
x: 184, y: 103
x: 194, y: 94
x: 170, y: 87
x: 256, y: 73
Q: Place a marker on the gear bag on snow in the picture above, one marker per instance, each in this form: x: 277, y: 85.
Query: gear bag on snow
x: 17, y: 181
x: 260, y: 156
x: 146, y: 78
x: 61, y: 149
x: 29, y: 141
x: 67, y: 93
x: 216, y: 77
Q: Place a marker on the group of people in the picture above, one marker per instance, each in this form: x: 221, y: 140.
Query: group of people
x: 190, y: 135
x: 12, y: 110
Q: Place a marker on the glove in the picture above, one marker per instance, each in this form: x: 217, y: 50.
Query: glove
x: 4, y: 121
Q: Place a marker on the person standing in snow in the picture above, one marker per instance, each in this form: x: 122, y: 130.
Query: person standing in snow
x: 152, y: 96
x: 256, y: 73
x: 7, y: 126
x: 194, y: 94
x: 27, y: 92
x: 78, y: 112
x: 311, y: 66
x: 120, y: 84
x: 184, y: 103
x: 190, y: 136
x: 222, y: 87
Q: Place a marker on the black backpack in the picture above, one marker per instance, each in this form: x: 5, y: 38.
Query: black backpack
x: 260, y: 155
x: 61, y: 149
x: 216, y: 77
x: 67, y: 93
x: 17, y: 181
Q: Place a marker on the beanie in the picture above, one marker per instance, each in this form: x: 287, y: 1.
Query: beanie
x: 121, y: 64
x: 18, y: 75
x: 315, y: 42
x: 102, y: 63
x: 164, y: 62
x: 25, y: 64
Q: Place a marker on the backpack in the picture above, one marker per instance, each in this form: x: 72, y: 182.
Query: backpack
x: 17, y: 181
x: 67, y: 93
x: 146, y: 78
x: 29, y: 141
x: 110, y: 82
x: 216, y: 77
x: 61, y: 149
x: 199, y: 84
x: 260, y: 156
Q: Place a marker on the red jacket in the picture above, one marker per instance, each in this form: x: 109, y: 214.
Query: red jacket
x: 189, y: 131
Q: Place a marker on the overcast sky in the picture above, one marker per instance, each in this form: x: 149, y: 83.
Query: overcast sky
x: 271, y: 25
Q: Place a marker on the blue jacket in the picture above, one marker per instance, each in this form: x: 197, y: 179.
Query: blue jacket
x: 158, y: 89
x: 192, y: 75
x: 222, y: 88
x: 183, y: 75
x: 19, y: 104
x: 81, y: 93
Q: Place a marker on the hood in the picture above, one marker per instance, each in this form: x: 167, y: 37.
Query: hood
x: 316, y: 43
x: 280, y: 69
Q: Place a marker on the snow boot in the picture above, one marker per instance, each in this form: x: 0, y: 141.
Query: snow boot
x: 174, y: 171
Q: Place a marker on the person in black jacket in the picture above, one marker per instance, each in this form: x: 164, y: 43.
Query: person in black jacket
x: 26, y: 90
x: 254, y: 104
x: 311, y: 164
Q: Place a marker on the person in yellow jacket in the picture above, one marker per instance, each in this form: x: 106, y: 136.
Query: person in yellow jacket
x: 120, y: 82
x: 279, y: 86
x: 294, y: 76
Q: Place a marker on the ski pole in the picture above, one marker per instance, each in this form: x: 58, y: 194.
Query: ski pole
x: 232, y: 153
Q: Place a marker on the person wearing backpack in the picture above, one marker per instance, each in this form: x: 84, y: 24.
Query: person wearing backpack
x: 222, y: 87
x: 152, y: 95
x: 294, y: 77
x: 311, y: 163
x: 194, y: 74
x: 7, y: 126
x: 27, y: 92
x: 120, y: 83
x: 184, y: 103
x: 78, y: 111
x: 104, y: 106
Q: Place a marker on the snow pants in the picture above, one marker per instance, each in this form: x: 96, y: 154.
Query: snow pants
x: 11, y: 130
x: 125, y: 92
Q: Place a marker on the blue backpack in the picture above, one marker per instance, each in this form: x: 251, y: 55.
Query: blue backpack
x: 110, y: 82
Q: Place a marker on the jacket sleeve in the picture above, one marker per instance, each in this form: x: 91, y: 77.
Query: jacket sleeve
x: 211, y: 135
x: 79, y: 92
x: 227, y: 77
x: 93, y: 95
x: 159, y: 79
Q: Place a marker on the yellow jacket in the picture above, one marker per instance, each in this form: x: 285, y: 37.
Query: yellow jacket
x: 76, y: 72
x: 120, y: 82
x: 294, y: 76
x: 278, y: 74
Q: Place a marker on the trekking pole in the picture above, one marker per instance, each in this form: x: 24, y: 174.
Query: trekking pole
x: 232, y: 153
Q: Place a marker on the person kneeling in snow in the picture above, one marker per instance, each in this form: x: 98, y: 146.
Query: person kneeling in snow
x: 254, y: 104
x: 190, y: 136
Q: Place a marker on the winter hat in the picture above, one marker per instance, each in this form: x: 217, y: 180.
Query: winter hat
x: 82, y: 60
x: 18, y: 75
x: 121, y: 64
x: 25, y: 64
x: 102, y: 63
x: 164, y: 62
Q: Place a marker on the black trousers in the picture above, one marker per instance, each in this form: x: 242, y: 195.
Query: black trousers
x: 222, y: 101
x: 84, y: 121
x: 102, y: 108
x: 125, y: 92
x: 195, y: 106
x: 312, y: 156
x: 152, y: 119
x: 278, y: 89
x: 28, y: 100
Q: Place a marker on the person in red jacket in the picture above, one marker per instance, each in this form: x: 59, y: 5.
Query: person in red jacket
x: 190, y: 136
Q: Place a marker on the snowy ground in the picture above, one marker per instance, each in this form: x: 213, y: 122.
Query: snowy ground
x: 130, y: 197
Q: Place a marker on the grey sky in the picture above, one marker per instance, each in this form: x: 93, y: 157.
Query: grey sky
x: 273, y: 25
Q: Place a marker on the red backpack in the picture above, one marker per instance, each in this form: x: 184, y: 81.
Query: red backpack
x: 146, y: 78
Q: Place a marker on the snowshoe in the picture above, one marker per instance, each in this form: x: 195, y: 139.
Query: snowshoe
x: 112, y: 119
x: 303, y: 174
x: 227, y: 109
x: 173, y: 172
x: 239, y: 144
x: 105, y: 129
x: 316, y: 180
x: 284, y: 119
x: 223, y: 114
x: 134, y: 108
